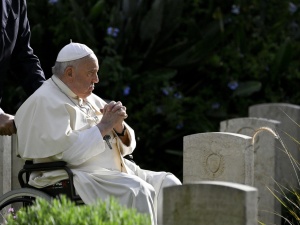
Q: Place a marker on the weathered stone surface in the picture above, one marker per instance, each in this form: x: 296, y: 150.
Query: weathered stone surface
x: 17, y: 164
x: 270, y: 162
x: 210, y: 203
x: 5, y: 168
x: 10, y: 164
x: 289, y: 117
x: 218, y: 156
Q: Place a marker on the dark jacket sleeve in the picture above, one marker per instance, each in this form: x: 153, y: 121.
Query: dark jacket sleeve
x: 24, y: 63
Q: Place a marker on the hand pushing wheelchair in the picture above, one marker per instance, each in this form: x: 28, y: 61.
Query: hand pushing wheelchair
x: 26, y: 195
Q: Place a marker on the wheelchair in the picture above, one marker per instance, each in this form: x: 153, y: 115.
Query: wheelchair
x: 26, y: 195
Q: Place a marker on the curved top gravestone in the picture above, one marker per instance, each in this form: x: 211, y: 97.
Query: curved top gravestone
x: 218, y: 156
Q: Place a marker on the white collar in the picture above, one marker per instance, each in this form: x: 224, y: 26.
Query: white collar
x: 63, y: 87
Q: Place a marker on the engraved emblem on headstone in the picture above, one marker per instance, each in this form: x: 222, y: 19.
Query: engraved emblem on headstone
x: 213, y: 164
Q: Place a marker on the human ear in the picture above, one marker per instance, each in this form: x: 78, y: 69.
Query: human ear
x: 69, y: 71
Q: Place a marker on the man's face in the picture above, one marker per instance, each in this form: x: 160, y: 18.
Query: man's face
x: 85, y: 76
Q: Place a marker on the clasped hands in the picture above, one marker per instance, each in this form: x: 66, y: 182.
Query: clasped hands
x: 114, y: 114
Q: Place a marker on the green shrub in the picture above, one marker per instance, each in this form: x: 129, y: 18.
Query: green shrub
x: 65, y: 212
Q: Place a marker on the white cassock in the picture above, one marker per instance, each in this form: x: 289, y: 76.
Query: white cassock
x: 53, y: 124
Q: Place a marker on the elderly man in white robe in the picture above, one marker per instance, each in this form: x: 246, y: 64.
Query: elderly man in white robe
x: 64, y: 120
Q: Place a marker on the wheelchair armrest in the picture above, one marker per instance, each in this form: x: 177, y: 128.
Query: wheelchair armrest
x: 48, y: 166
x: 129, y: 157
x: 41, y: 166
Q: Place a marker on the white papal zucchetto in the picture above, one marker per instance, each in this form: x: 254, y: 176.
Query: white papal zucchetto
x: 73, y: 51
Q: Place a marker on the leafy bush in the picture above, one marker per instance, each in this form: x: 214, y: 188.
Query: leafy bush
x: 65, y: 212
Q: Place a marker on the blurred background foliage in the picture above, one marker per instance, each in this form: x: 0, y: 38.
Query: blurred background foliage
x: 179, y: 66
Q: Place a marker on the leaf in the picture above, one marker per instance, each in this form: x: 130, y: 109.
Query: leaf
x: 129, y: 7
x: 282, y: 59
x: 247, y: 88
x: 171, y: 19
x: 201, y: 49
x: 151, y: 24
x: 96, y: 9
x: 174, y: 152
x: 159, y: 75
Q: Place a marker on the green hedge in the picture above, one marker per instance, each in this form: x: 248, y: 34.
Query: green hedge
x: 65, y: 212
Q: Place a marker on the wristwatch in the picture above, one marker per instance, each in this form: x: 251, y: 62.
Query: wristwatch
x: 122, y: 134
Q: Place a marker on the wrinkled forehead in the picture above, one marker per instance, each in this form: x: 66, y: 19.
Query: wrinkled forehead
x: 89, y: 62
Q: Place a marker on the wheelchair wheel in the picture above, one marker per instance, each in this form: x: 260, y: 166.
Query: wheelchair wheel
x: 13, y: 200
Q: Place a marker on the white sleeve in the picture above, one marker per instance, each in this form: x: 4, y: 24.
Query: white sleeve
x: 88, y: 144
x: 126, y: 150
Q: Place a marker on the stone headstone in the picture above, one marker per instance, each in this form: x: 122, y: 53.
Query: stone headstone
x: 287, y: 130
x: 270, y: 163
x: 218, y: 156
x: 17, y: 164
x: 5, y: 167
x: 210, y: 203
x: 10, y: 164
